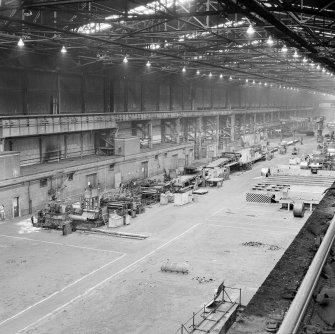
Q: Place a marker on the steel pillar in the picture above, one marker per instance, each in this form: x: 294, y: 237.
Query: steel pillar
x: 150, y: 144
x: 232, y: 127
x: 163, y: 131
x: 143, y: 130
x: 178, y: 128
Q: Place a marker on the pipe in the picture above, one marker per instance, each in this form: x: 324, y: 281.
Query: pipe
x: 77, y: 217
x: 300, y: 303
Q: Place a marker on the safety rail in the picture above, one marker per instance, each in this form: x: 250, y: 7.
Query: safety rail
x: 19, y: 126
x: 198, y: 318
x: 299, y: 305
x: 32, y: 125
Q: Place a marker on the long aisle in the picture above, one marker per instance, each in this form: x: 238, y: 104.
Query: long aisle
x: 116, y: 286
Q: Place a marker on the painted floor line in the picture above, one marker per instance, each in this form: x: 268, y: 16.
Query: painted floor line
x: 216, y: 212
x: 262, y: 225
x: 59, y: 291
x: 60, y: 244
x: 107, y: 279
x: 252, y: 229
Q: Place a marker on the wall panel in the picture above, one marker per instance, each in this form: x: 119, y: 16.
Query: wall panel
x: 198, y: 97
x: 177, y: 97
x: 149, y: 95
x: 164, y: 96
x: 70, y: 94
x: 187, y: 97
x: 94, y: 95
x: 207, y: 97
x: 134, y: 96
x: 10, y: 92
x: 41, y: 89
x: 119, y: 90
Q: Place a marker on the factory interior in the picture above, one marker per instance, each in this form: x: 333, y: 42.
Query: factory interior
x: 167, y: 166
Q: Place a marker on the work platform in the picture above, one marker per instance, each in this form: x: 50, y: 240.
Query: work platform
x: 32, y: 125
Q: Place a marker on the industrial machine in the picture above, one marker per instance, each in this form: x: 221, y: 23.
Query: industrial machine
x: 86, y: 212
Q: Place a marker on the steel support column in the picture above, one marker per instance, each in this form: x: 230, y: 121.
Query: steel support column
x: 177, y: 124
x: 150, y: 144
x: 217, y: 123
x: 232, y: 127
x: 163, y: 131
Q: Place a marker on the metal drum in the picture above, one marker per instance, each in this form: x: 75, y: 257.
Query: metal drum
x: 298, y: 209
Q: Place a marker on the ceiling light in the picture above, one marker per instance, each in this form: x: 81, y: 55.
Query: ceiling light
x: 318, y: 67
x: 284, y: 49
x: 265, y: 84
x: 198, y: 72
x: 269, y: 41
x: 246, y: 80
x: 221, y: 76
x: 27, y: 12
x: 253, y: 82
x: 184, y: 69
x: 250, y: 30
x: 210, y: 74
x: 312, y: 64
x: 323, y: 70
x: 20, y: 43
x: 304, y: 60
x: 63, y: 49
x: 260, y: 83
x: 230, y: 78
x: 148, y: 64
x: 271, y: 85
x: 125, y: 60
x: 295, y: 55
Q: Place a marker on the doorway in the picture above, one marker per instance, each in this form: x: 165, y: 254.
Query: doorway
x: 145, y: 169
x: 16, y: 207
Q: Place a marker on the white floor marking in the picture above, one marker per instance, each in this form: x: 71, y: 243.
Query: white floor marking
x: 59, y: 291
x: 95, y: 286
x: 252, y: 229
x: 60, y: 244
x: 216, y: 212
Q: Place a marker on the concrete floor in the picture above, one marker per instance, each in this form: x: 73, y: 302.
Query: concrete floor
x: 98, y: 284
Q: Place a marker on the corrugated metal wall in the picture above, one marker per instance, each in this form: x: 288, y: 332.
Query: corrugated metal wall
x: 45, y: 92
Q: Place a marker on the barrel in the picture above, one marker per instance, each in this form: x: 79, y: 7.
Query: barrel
x: 67, y: 228
x: 298, y: 209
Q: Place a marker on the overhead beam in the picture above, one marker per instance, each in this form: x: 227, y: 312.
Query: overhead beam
x: 55, y: 3
x: 262, y: 13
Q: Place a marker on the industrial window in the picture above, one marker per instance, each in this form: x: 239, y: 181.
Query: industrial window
x: 111, y: 167
x: 92, y: 180
x: 70, y: 176
x: 156, y: 157
x: 43, y: 182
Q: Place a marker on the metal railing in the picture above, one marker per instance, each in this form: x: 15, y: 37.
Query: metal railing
x: 299, y: 305
x: 32, y: 125
x: 19, y: 126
